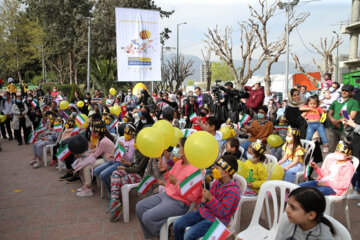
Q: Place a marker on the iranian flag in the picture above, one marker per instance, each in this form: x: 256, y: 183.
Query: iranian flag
x: 80, y: 120
x: 75, y: 131
x: 191, y: 182
x: 64, y: 114
x: 244, y: 120
x: 217, y: 231
x: 34, y: 103
x: 32, y: 137
x: 57, y: 127
x: 119, y: 152
x: 63, y: 153
x: 40, y: 129
x: 192, y: 117
x: 59, y: 97
x: 307, y: 169
x: 109, y: 102
x: 344, y: 108
x: 281, y: 127
x: 72, y: 105
x: 113, y: 123
x: 145, y: 184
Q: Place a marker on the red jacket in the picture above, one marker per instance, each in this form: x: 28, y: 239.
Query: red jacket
x: 256, y: 98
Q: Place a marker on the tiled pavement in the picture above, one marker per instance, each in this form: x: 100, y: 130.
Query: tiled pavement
x: 45, y: 208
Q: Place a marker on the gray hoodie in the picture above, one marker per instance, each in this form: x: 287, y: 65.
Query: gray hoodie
x: 290, y: 231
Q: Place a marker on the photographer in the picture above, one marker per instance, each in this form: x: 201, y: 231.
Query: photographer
x: 202, y: 99
x: 257, y: 96
x: 232, y: 101
x: 218, y: 107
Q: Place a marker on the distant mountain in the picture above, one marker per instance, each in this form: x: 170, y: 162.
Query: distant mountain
x: 277, y: 68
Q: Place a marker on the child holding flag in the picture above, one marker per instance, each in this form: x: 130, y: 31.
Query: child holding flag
x: 218, y: 204
x: 336, y: 173
x: 183, y: 186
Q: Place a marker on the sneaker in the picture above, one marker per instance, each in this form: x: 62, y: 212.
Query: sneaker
x: 73, y: 179
x: 66, y: 176
x: 112, y: 204
x: 354, y: 195
x: 36, y: 164
x: 80, y: 189
x: 53, y: 162
x: 86, y: 192
x: 325, y: 149
x: 116, y: 213
x: 32, y: 162
x: 358, y: 204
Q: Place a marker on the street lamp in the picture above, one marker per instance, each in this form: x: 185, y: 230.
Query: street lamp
x: 177, y: 51
x: 288, y: 6
x: 337, y: 58
x: 88, y: 60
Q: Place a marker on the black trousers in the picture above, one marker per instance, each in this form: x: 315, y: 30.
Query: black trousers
x: 8, y: 128
x: 26, y: 130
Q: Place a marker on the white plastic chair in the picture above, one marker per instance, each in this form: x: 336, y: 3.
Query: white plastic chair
x: 255, y: 230
x: 125, y: 190
x: 330, y: 200
x: 51, y: 148
x: 309, y: 151
x: 182, y: 124
x: 271, y: 162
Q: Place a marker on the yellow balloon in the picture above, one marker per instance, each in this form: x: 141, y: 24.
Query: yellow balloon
x: 137, y: 89
x: 274, y: 140
x: 112, y: 91
x: 80, y: 104
x: 2, y: 118
x: 243, y: 169
x: 167, y: 130
x: 111, y: 109
x: 226, y: 132
x: 83, y: 116
x: 277, y: 173
x: 64, y: 104
x: 201, y: 149
x: 177, y: 135
x: 150, y: 142
x: 116, y: 110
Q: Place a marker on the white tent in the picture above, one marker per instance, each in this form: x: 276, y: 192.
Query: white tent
x: 277, y: 82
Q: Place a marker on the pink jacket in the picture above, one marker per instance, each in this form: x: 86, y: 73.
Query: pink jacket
x: 104, y: 146
x: 182, y: 172
x: 342, y: 180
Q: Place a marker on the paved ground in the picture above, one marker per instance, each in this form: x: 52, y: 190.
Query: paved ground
x: 35, y: 205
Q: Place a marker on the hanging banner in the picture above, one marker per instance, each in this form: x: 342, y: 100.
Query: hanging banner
x: 138, y: 45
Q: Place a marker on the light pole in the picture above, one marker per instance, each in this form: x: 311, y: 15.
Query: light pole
x: 42, y: 60
x: 88, y: 60
x: 337, y: 58
x: 177, y: 51
x: 288, y: 6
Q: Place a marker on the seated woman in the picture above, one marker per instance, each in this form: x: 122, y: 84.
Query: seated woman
x: 260, y: 128
x: 292, y: 161
x: 156, y: 209
x: 335, y: 176
x: 257, y: 171
x: 105, y: 170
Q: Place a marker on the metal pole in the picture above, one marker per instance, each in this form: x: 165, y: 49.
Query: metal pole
x: 177, y: 53
x: 337, y: 60
x: 43, y: 63
x: 88, y: 62
x: 287, y: 52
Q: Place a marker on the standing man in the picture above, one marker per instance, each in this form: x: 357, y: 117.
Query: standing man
x: 130, y: 101
x: 232, y: 102
x: 202, y: 99
x: 97, y: 97
x: 11, y: 88
x: 304, y: 95
x: 54, y: 93
x: 256, y: 97
x: 7, y: 111
x: 336, y: 131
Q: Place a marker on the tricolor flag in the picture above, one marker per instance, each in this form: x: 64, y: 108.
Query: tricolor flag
x: 217, y: 231
x: 59, y: 97
x: 57, y: 127
x: 34, y: 103
x: 72, y: 105
x: 113, y: 123
x: 281, y: 127
x: 307, y: 169
x: 40, y: 129
x: 63, y: 153
x: 119, y: 152
x: 244, y: 120
x: 192, y: 117
x: 191, y: 182
x: 109, y: 102
x: 344, y: 108
x: 145, y: 184
x: 64, y: 114
x: 187, y: 132
x: 75, y: 131
x: 32, y: 137
x: 80, y: 120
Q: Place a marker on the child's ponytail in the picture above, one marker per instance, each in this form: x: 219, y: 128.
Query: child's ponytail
x: 326, y: 221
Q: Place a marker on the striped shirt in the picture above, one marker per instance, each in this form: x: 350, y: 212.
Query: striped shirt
x: 224, y: 203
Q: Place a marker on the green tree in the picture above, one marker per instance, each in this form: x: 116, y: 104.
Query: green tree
x: 103, y: 73
x: 221, y: 71
x: 21, y: 38
x: 190, y: 83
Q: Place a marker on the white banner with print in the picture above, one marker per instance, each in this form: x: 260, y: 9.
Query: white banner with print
x: 138, y: 45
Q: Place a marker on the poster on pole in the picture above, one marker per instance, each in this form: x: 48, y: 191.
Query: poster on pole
x: 138, y: 45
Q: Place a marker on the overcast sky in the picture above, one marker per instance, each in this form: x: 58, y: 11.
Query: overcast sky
x: 325, y: 17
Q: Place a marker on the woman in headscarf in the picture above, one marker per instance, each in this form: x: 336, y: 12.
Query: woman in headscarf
x: 21, y: 120
x: 293, y: 113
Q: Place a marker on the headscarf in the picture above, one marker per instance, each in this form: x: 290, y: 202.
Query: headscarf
x: 291, y: 102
